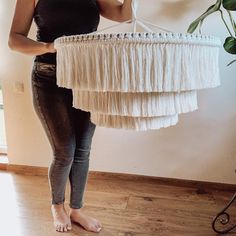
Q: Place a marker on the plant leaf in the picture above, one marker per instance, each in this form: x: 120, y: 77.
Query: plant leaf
x: 231, y: 62
x: 201, y: 18
x: 232, y: 21
x: 193, y: 26
x: 230, y: 45
x: 229, y: 5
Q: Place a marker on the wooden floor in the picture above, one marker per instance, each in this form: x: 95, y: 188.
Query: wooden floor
x: 125, y: 208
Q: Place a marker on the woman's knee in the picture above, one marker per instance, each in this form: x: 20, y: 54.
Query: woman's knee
x: 82, y: 153
x: 64, y: 155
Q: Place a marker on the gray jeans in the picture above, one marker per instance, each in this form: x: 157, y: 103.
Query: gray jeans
x: 69, y: 131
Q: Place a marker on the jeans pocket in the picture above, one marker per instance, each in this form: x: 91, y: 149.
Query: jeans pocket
x: 44, y: 70
x: 43, y: 73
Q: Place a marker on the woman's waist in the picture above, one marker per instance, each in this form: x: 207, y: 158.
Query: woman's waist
x: 43, y: 69
x: 49, y: 58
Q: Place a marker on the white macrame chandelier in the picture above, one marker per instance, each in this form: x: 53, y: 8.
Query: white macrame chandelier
x: 137, y: 80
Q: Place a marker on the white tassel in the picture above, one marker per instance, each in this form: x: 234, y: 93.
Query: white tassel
x: 133, y: 123
x: 135, y: 104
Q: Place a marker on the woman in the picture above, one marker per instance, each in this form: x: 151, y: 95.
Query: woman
x: 69, y: 130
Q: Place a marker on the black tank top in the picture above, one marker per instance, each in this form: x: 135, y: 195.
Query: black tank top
x: 55, y: 18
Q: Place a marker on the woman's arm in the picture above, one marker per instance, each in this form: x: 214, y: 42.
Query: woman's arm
x: 20, y: 27
x: 115, y: 10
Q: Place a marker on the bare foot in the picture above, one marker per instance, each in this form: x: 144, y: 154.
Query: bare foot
x: 89, y: 223
x: 61, y: 219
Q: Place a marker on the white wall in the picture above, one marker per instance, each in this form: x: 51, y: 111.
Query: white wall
x: 201, y: 147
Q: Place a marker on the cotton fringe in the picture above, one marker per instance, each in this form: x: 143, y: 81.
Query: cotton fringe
x: 133, y: 123
x: 135, y: 104
x: 138, y: 62
x: 137, y: 81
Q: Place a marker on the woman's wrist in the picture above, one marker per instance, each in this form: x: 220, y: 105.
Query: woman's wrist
x: 49, y: 48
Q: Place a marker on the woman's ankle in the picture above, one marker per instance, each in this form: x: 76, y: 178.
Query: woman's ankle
x: 58, y: 206
x: 74, y: 209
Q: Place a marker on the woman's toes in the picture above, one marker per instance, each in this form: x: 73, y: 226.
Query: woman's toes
x: 99, y: 225
x: 91, y: 227
x: 61, y: 228
x: 95, y: 228
x: 58, y: 228
x: 69, y: 227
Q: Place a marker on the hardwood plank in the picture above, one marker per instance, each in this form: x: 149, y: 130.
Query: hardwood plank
x: 108, y: 200
x: 150, y: 190
x: 172, y: 205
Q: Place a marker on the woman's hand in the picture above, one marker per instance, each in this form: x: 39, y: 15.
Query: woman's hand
x: 115, y: 10
x: 50, y: 47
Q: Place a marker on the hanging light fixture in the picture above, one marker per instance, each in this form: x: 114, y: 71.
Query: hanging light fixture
x: 137, y: 80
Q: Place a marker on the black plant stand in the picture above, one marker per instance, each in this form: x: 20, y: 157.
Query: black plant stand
x: 224, y: 218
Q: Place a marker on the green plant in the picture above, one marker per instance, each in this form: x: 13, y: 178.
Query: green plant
x: 228, y: 5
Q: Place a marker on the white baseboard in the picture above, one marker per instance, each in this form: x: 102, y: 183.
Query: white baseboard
x: 3, y: 149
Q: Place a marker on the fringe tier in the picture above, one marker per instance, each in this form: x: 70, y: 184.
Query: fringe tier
x: 137, y: 62
x: 133, y: 123
x: 135, y: 104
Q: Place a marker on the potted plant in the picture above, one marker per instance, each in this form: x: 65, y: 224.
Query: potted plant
x: 219, y: 6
